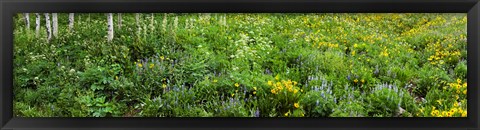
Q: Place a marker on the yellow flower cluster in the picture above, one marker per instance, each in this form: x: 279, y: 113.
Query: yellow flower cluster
x: 456, y: 110
x: 441, y: 55
x: 325, y: 44
x: 458, y: 87
x: 384, y: 53
x: 287, y: 86
x: 139, y: 64
x: 453, y: 112
x: 435, y: 22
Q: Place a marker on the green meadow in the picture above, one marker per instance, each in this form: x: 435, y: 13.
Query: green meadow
x: 242, y: 65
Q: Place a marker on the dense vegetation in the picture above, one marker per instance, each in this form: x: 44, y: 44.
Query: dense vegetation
x: 243, y: 65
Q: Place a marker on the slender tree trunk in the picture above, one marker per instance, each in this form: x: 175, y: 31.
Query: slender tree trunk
x: 71, y: 21
x: 55, y: 24
x: 137, y: 19
x: 49, y: 27
x: 119, y: 20
x: 152, y: 23
x: 37, y: 24
x: 27, y: 21
x: 110, y: 27
x: 164, y: 24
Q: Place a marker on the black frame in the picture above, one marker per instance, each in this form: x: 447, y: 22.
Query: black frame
x: 10, y: 7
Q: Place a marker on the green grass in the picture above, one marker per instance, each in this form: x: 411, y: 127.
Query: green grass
x: 244, y: 65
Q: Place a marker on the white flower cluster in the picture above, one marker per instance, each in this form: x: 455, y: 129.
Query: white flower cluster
x: 245, y: 50
x: 36, y: 57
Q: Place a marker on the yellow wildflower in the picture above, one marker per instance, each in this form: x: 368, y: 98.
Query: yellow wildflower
x: 296, y: 105
x: 295, y: 91
x: 116, y: 77
x: 233, y: 94
x: 254, y: 88
x: 140, y: 65
x: 464, y: 113
x: 355, y: 80
x: 277, y: 77
x: 363, y: 81
x: 151, y: 65
x: 162, y: 57
x: 444, y: 113
x: 449, y: 114
x: 459, y: 81
x: 453, y: 110
x: 273, y: 91
x: 436, y: 112
x: 214, y: 81
x: 254, y: 92
x: 270, y: 83
x: 464, y: 91
x: 164, y: 86
x: 236, y: 84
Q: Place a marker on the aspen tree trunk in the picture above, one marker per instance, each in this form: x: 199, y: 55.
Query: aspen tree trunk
x: 110, y: 27
x: 49, y: 27
x: 71, y: 21
x: 164, y: 25
x: 152, y: 22
x: 55, y: 24
x: 137, y: 19
x: 119, y: 20
x: 37, y: 24
x: 27, y: 21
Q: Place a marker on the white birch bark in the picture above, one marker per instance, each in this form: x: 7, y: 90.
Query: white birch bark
x: 55, y: 24
x: 49, y: 27
x: 71, y: 21
x: 164, y: 25
x: 137, y: 19
x: 152, y: 22
x: 119, y: 20
x: 110, y: 27
x: 37, y: 24
x: 27, y: 20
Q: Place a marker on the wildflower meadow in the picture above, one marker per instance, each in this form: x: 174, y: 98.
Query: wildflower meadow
x: 240, y: 65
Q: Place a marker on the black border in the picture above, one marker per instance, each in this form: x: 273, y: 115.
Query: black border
x: 10, y: 7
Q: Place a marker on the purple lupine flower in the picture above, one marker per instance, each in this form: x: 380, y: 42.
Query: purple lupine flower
x: 257, y: 113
